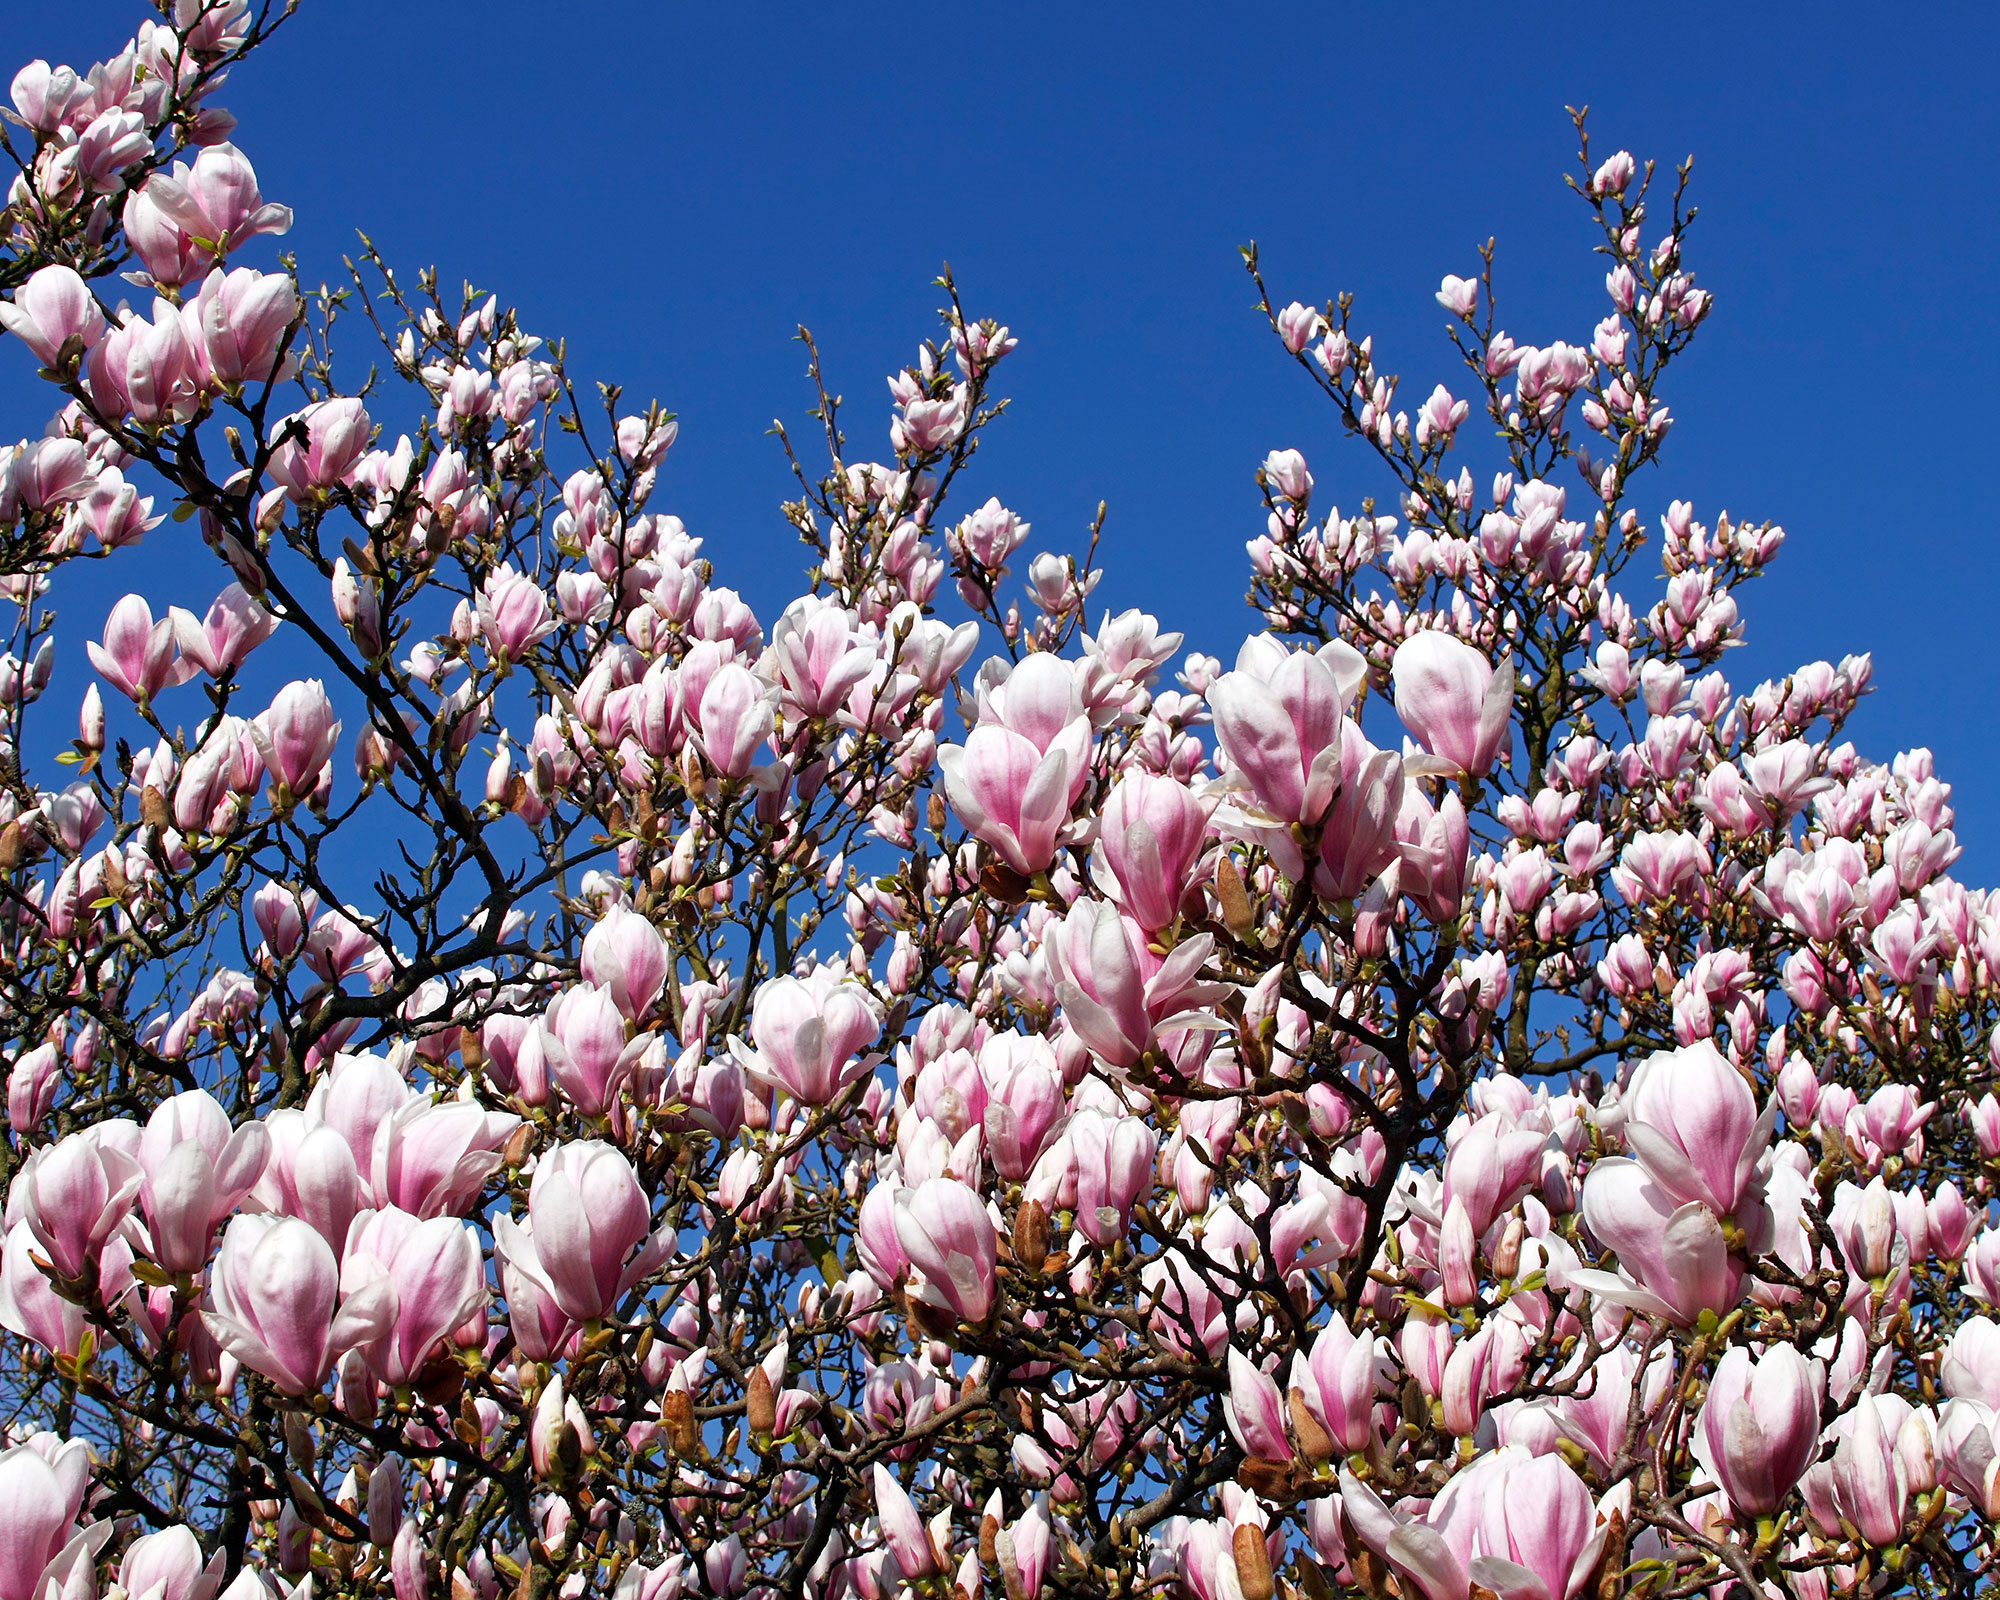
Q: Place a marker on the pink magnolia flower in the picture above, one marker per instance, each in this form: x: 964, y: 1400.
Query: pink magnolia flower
x: 1453, y: 701
x: 1337, y: 1384
x: 736, y: 715
x: 1115, y: 993
x: 146, y: 369
x: 296, y: 736
x: 539, y: 1324
x: 272, y: 1301
x: 1968, y: 1454
x: 1693, y: 1124
x: 875, y: 1235
x: 137, y: 656
x: 236, y: 326
x: 78, y: 1192
x: 947, y: 1236
x: 1951, y: 1222
x: 1971, y: 1366
x: 1871, y: 1487
x: 1359, y: 839
x: 583, y: 1047
x: 311, y: 1175
x: 1024, y: 1101
x: 1538, y: 1537
x: 1428, y: 1551
x: 625, y: 953
x: 513, y: 613
x: 1112, y: 1158
x: 1255, y: 1411
x: 1299, y: 325
x: 204, y: 783
x: 432, y: 1158
x: 712, y: 1091
x: 423, y: 1277
x: 1490, y: 1166
x: 808, y: 1033
x: 197, y: 1169
x: 1434, y: 847
x: 235, y: 625
x: 1458, y: 295
x: 1759, y: 1428
x: 1023, y: 1549
x: 1673, y: 1260
x: 592, y: 1226
x: 167, y: 1566
x: 1023, y: 765
x: 322, y: 445
x: 198, y: 213
x: 950, y: 1091
x: 1881, y: 1232
x: 48, y: 473
x: 32, y: 1082
x: 52, y: 309
x: 29, y: 1304
x: 43, y: 1495
x: 1279, y: 719
x: 1286, y: 476
x: 354, y: 1098
x: 903, y: 1529
x: 1889, y: 1123
x: 409, y: 1559
x: 1152, y: 836
x: 1523, y: 1526
x: 819, y: 659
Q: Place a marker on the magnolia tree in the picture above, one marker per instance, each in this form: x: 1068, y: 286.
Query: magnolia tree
x: 526, y: 1078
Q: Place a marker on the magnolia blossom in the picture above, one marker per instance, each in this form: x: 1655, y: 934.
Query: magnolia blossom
x: 808, y: 1033
x: 274, y: 1302
x: 1022, y: 766
x: 946, y: 1235
x: 1453, y: 701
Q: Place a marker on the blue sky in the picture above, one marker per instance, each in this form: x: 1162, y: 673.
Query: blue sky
x: 674, y: 188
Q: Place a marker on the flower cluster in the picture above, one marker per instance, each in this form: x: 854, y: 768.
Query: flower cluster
x: 548, y: 1083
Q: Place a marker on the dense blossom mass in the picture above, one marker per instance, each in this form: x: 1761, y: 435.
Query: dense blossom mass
x: 526, y: 1078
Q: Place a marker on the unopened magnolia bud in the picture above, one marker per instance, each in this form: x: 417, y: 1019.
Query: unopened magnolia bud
x: 1269, y: 1480
x: 677, y: 1421
x: 1610, y: 1576
x: 385, y: 1500
x: 1010, y: 1570
x: 294, y: 1540
x: 356, y: 1387
x: 1507, y: 1259
x: 1031, y: 1235
x: 299, y: 1443
x: 1231, y: 896
x: 680, y: 867
x: 90, y: 720
x: 760, y: 1402
x: 1370, y: 1570
x: 693, y: 779
x: 1253, y: 1562
x: 1315, y: 1443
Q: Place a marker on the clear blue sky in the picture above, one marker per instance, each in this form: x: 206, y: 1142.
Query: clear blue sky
x: 673, y: 188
